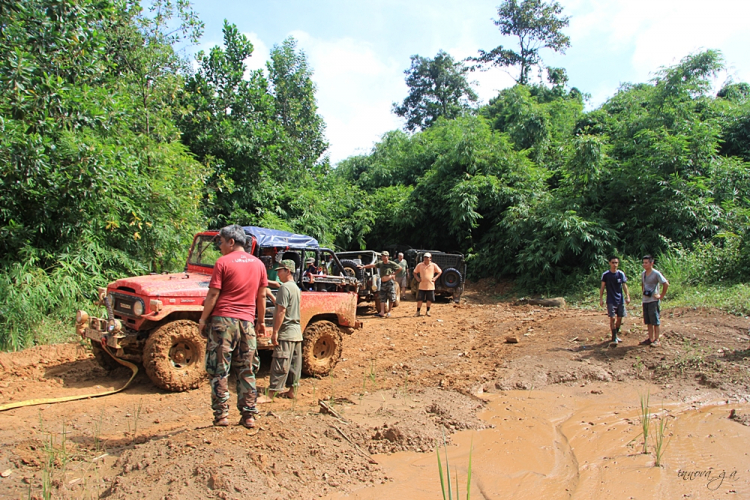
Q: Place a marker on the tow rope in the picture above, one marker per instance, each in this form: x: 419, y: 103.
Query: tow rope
x: 34, y: 402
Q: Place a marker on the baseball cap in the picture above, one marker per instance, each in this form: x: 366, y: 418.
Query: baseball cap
x: 287, y: 264
x: 310, y: 260
x: 428, y: 254
x: 385, y: 253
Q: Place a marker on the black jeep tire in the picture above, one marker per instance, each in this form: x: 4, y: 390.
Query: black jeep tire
x: 174, y: 356
x: 452, y: 278
x: 102, y: 358
x: 351, y: 269
x: 321, y: 348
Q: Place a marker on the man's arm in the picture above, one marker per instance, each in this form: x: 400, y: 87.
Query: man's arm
x: 664, y: 287
x: 601, y: 294
x: 278, y: 318
x: 627, y: 293
x: 260, y: 312
x: 437, y: 274
x: 208, y: 306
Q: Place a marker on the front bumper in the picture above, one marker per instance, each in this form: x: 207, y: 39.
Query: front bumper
x: 103, y: 331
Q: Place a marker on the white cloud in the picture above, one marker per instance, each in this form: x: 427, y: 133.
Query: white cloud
x: 356, y: 87
x: 659, y: 33
x: 261, y: 53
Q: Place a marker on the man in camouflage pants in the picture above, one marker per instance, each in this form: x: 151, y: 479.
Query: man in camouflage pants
x: 387, y: 292
x: 237, y: 291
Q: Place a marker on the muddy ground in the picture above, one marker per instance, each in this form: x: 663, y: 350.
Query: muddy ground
x: 402, y: 385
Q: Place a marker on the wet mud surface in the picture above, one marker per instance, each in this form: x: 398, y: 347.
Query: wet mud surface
x: 556, y: 414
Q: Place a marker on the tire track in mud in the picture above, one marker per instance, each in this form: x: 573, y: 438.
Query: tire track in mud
x: 566, y: 464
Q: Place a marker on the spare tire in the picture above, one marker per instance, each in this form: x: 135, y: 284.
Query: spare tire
x: 452, y: 278
x: 351, y: 269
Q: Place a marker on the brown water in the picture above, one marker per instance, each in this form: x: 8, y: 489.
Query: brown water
x: 572, y: 443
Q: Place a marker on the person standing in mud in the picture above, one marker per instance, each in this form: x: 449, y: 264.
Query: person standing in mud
x: 286, y: 367
x: 236, y: 296
x: 614, y: 281
x: 426, y: 273
x: 651, y: 298
x: 387, y: 271
x: 403, y: 275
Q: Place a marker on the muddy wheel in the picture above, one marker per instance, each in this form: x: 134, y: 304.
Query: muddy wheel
x: 398, y: 295
x: 321, y: 348
x: 377, y: 303
x: 102, y: 358
x: 174, y: 356
x: 414, y: 287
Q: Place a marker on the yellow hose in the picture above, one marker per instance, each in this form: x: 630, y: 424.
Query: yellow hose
x: 34, y: 402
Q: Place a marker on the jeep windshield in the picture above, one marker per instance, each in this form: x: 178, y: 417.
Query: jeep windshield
x: 205, y: 251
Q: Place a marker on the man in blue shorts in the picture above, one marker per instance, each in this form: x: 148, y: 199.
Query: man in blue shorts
x: 651, y: 298
x: 614, y: 281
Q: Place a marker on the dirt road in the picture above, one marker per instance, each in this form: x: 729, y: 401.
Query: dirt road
x: 402, y: 384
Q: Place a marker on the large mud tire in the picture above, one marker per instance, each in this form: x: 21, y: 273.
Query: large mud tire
x: 174, y: 356
x: 321, y: 348
x: 398, y: 296
x: 102, y: 358
x: 376, y: 301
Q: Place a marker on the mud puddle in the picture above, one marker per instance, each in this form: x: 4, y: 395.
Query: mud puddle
x: 581, y: 443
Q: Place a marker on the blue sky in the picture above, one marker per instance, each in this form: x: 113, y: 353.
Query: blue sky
x: 358, y: 50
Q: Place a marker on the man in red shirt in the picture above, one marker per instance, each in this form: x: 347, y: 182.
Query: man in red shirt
x: 236, y: 292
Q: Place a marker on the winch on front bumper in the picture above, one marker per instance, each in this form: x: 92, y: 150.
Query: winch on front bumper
x: 100, y: 330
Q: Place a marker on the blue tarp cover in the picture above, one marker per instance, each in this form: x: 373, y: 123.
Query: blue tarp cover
x: 277, y: 238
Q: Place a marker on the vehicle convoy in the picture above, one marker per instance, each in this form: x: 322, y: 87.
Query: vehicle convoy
x: 451, y: 281
x: 369, y: 279
x: 154, y: 319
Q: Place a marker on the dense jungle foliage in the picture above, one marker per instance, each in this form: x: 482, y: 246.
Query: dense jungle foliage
x: 115, y: 148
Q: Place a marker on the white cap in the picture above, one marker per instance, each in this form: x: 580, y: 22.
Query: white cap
x: 428, y: 254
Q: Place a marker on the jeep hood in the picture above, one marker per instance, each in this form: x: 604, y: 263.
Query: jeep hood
x: 156, y: 285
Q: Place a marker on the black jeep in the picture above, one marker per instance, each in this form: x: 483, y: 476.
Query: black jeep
x: 450, y: 282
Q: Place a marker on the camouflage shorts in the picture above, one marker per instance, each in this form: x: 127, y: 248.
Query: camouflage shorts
x: 232, y: 346
x: 387, y: 291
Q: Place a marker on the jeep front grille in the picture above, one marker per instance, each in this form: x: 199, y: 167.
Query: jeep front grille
x: 124, y: 304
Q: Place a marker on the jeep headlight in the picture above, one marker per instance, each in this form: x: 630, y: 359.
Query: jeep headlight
x: 138, y: 308
x: 111, y: 298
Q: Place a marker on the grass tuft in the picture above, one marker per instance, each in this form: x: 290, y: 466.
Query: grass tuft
x: 446, y: 485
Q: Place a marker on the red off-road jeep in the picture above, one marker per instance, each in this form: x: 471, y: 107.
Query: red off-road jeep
x: 154, y: 319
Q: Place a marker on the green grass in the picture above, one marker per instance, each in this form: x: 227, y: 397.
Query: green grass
x: 446, y: 485
x: 660, y: 441
x: 645, y: 422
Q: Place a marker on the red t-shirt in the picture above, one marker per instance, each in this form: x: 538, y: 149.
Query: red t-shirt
x: 238, y: 275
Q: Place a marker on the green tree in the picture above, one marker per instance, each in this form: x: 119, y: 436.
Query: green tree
x: 95, y: 182
x: 537, y: 25
x: 294, y: 101
x: 437, y: 88
x: 229, y: 123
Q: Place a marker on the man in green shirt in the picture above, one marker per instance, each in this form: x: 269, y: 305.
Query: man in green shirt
x: 387, y: 271
x: 403, y: 276
x: 286, y: 367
